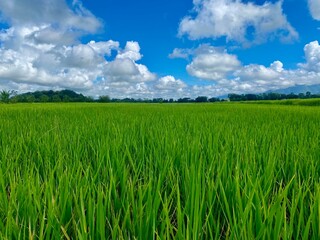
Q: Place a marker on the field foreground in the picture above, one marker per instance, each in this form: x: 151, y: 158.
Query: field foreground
x: 156, y: 171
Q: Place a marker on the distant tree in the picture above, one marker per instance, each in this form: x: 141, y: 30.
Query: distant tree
x: 15, y: 99
x: 127, y: 100
x: 213, y: 99
x: 234, y: 97
x: 90, y: 99
x: 56, y: 98
x: 251, y: 97
x: 5, y: 95
x: 272, y: 96
x: 104, y: 99
x: 301, y: 95
x: 30, y: 98
x: 184, y: 100
x: 201, y: 99
x: 308, y: 94
x: 66, y: 98
x: 292, y: 96
x: 157, y: 100
x: 44, y: 98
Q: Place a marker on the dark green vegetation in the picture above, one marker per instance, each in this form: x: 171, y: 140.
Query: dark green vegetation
x: 71, y: 96
x: 5, y: 96
x: 50, y: 96
x: 143, y: 171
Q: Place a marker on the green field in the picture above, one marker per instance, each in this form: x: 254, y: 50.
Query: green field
x: 157, y: 171
x: 295, y: 102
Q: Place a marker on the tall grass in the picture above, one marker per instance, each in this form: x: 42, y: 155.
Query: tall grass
x: 139, y: 171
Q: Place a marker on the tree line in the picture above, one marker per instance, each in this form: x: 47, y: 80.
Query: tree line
x: 43, y: 96
x: 71, y: 96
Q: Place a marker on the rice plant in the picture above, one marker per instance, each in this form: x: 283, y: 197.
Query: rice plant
x: 156, y: 171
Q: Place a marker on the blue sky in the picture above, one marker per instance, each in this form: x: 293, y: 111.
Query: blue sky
x: 154, y: 48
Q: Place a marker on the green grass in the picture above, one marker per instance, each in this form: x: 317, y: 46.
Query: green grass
x: 295, y: 102
x: 156, y: 171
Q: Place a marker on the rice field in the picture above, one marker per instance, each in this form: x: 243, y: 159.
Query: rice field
x: 157, y: 171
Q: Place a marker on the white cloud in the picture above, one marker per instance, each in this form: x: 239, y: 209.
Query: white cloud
x: 126, y: 70
x: 254, y: 72
x: 24, y: 61
x: 212, y: 63
x: 80, y: 56
x: 226, y: 75
x: 234, y: 20
x: 180, y: 53
x: 170, y: 83
x: 312, y: 56
x: 53, y: 12
x: 77, y: 66
x: 277, y: 66
x: 104, y: 48
x: 164, y: 87
x: 41, y: 49
x: 120, y: 69
x: 20, y: 67
x: 230, y: 76
x: 314, y: 7
x: 47, y: 35
x: 131, y: 51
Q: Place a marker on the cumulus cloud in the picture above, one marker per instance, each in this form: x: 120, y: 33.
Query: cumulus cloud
x: 170, y: 83
x: 259, y: 72
x: 126, y: 70
x: 180, y: 53
x: 41, y: 49
x: 212, y: 63
x: 24, y: 61
x: 314, y: 7
x: 237, y: 21
x: 312, y: 56
x: 164, y: 87
x: 223, y: 73
x: 76, y: 66
x: 228, y: 75
x: 119, y: 89
x: 131, y: 51
x: 104, y: 47
x: 50, y: 12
